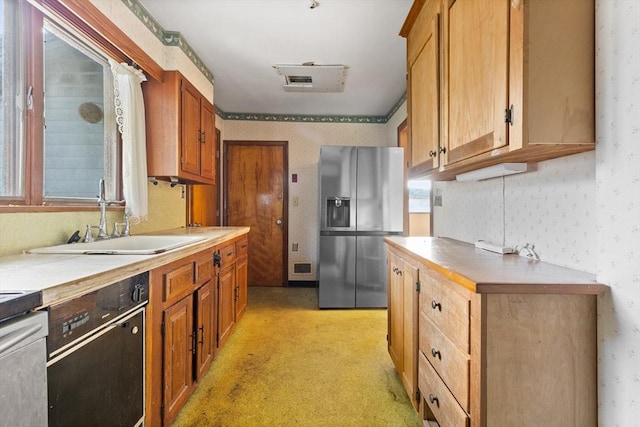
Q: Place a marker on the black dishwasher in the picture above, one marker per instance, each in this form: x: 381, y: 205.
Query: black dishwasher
x: 95, y: 372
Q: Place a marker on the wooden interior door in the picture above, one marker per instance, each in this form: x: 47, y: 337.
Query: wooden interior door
x: 255, y: 195
x: 203, y: 206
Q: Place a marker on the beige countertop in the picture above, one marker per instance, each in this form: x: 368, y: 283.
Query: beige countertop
x: 62, y: 277
x: 487, y: 272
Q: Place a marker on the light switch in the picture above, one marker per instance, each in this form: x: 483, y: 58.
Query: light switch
x: 295, y: 201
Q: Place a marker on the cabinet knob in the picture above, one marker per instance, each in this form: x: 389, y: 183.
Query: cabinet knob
x: 432, y: 153
x: 442, y: 150
x: 435, y: 305
x: 434, y: 399
x: 436, y: 353
x: 395, y: 270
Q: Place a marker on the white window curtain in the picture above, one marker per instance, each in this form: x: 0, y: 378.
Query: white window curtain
x: 131, y: 124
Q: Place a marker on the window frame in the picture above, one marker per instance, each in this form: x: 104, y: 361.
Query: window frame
x: 34, y: 13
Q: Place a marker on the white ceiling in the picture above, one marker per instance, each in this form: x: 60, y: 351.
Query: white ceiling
x: 241, y: 40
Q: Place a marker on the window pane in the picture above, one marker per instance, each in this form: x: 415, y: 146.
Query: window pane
x: 79, y: 135
x: 12, y: 102
x: 419, y: 196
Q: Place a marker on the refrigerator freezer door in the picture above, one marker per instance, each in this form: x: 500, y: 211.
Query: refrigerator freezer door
x: 337, y: 188
x: 371, y: 268
x: 380, y: 189
x: 337, y: 272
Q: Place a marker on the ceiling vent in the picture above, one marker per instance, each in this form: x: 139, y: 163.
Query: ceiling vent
x: 309, y: 77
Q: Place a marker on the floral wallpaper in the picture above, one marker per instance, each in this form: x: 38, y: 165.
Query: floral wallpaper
x: 618, y: 209
x: 581, y: 211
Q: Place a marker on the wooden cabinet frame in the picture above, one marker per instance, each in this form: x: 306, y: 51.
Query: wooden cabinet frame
x: 533, y: 101
x: 183, y: 320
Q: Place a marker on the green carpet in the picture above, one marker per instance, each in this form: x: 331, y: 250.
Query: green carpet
x: 290, y: 364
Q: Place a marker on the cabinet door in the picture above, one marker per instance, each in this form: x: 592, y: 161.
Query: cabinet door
x: 409, y: 373
x: 424, y: 94
x: 226, y: 302
x: 395, y: 312
x: 178, y: 356
x: 205, y: 334
x: 190, y: 132
x: 477, y: 70
x: 207, y: 141
x: 242, y: 269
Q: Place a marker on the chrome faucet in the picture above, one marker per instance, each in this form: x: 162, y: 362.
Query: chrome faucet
x: 102, y: 201
x: 102, y: 227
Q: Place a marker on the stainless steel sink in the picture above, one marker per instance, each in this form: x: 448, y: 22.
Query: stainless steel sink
x: 131, y: 245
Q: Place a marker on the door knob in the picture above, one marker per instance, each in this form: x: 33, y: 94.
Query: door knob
x: 279, y: 221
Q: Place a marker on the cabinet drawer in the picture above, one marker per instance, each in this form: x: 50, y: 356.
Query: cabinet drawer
x: 438, y: 398
x: 446, y: 305
x: 449, y: 362
x: 204, y: 269
x: 228, y: 255
x: 242, y: 247
x: 178, y: 282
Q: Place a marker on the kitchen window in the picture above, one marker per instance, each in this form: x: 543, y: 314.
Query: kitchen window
x: 419, y: 196
x: 58, y: 132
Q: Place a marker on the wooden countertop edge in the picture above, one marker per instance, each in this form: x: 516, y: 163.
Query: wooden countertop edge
x: 594, y: 288
x: 69, y: 290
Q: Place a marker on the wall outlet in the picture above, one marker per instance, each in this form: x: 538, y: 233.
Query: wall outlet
x: 437, y: 198
x: 294, y: 247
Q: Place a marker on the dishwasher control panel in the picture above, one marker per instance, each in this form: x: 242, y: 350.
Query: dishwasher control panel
x: 74, y: 319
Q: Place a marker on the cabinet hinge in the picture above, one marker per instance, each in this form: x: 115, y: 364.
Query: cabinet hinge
x: 162, y: 329
x: 417, y: 396
x: 387, y: 337
x: 418, y: 286
x: 508, y: 115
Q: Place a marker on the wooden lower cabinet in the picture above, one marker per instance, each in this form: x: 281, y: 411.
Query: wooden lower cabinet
x: 232, y: 287
x: 242, y: 274
x: 226, y: 303
x: 192, y: 310
x: 402, y: 337
x: 502, y: 341
x: 178, y: 359
x: 205, y: 329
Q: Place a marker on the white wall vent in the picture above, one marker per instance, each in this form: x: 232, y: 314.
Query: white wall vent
x: 309, y: 77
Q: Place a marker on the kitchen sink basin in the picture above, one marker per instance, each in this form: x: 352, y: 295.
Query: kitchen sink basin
x: 131, y: 245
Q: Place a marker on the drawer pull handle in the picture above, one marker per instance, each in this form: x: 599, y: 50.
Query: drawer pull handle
x: 436, y: 353
x: 435, y: 305
x: 433, y: 399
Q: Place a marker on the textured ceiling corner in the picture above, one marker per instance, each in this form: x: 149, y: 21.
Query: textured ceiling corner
x: 174, y: 38
x: 168, y: 38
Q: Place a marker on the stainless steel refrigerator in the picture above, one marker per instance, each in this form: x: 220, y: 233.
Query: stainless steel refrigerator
x: 361, y: 201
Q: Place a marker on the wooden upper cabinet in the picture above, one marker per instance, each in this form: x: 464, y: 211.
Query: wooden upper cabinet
x: 180, y: 131
x: 423, y: 63
x: 477, y: 77
x: 512, y: 80
x: 208, y: 141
